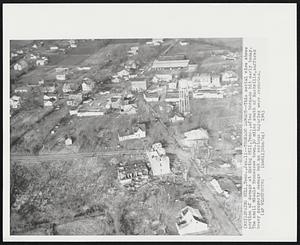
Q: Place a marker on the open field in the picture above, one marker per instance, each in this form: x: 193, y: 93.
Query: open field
x: 74, y: 195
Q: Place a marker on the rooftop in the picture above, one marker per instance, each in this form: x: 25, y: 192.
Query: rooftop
x: 170, y: 63
x: 132, y: 130
x: 196, y: 134
x: 172, y: 57
x: 140, y: 79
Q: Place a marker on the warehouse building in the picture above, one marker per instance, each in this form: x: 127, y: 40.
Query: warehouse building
x: 170, y: 64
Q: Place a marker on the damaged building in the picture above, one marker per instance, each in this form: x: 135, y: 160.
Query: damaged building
x: 133, y: 173
x: 159, y: 161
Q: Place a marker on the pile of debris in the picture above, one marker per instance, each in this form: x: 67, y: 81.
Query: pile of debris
x: 133, y: 174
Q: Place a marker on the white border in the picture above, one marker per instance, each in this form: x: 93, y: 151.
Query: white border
x: 274, y: 22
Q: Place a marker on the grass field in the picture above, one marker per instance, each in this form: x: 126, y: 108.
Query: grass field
x: 83, y: 197
x: 73, y: 60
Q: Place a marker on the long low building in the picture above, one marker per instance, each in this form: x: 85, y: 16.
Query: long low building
x: 139, y: 84
x: 90, y: 112
x: 170, y: 64
x: 208, y: 94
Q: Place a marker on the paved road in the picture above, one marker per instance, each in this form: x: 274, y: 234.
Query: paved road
x: 70, y: 156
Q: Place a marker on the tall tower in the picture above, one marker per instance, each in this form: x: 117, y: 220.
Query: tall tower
x: 184, y: 101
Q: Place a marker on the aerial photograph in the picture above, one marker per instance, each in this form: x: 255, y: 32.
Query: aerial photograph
x: 126, y: 137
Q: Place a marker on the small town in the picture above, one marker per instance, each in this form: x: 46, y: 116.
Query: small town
x: 126, y: 136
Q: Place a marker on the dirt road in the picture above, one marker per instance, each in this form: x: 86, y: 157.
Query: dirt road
x: 227, y: 226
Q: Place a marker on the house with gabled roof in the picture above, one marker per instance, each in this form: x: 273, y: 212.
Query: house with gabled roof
x: 190, y: 221
x: 135, y: 132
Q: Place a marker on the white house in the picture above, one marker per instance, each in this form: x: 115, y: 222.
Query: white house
x: 41, y: 62
x: 33, y: 57
x: 50, y: 97
x: 87, y: 85
x: 67, y: 87
x: 68, y: 141
x: 62, y: 70
x: 190, y: 222
x: 176, y: 118
x: 123, y: 73
x: 53, y: 48
x: 136, y: 132
x: 196, y: 136
x: 15, y: 102
x: 73, y: 111
x: 132, y: 76
x: 12, y: 55
x: 115, y: 80
x: 61, y: 77
x: 22, y: 89
x: 49, y: 100
x: 48, y: 103
x: 229, y: 76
